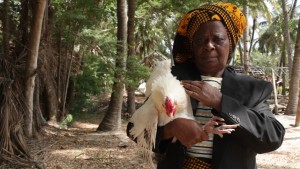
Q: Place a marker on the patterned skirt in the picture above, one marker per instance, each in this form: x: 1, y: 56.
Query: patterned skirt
x: 195, y: 163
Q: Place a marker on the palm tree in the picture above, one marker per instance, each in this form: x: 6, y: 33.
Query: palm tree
x: 287, y: 38
x: 254, y: 9
x: 131, y: 52
x: 13, y: 144
x: 112, y: 118
x: 294, y: 71
x: 31, y: 65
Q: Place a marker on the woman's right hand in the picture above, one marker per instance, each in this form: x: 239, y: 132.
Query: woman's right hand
x: 187, y: 131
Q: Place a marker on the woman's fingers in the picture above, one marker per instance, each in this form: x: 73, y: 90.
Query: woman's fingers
x: 215, y: 121
x: 216, y: 118
x: 203, y: 92
x: 225, y: 127
x: 210, y: 126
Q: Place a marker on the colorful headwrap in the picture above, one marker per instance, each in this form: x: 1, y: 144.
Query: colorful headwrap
x: 232, y: 18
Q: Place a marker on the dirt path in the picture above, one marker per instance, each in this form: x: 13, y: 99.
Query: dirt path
x: 288, y: 155
x: 80, y: 147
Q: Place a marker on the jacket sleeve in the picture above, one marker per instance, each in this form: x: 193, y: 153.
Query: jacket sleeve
x: 160, y: 144
x: 258, y: 128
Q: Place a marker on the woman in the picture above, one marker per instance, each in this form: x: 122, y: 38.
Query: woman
x: 205, y: 41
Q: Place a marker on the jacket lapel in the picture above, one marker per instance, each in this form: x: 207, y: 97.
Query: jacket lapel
x: 229, y: 84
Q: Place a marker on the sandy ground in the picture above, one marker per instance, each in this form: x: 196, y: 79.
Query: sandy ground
x: 80, y: 147
x: 288, y: 155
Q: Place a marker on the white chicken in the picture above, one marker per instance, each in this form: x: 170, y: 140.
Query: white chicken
x: 167, y: 101
x: 160, y: 68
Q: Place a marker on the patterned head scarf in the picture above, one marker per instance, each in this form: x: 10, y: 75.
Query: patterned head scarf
x: 231, y: 17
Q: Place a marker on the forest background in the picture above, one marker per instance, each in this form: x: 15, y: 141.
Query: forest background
x: 60, y: 58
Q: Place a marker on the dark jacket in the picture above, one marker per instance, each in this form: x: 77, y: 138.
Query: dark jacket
x: 244, y: 102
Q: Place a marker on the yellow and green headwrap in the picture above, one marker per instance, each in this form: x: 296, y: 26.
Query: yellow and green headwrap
x: 232, y: 18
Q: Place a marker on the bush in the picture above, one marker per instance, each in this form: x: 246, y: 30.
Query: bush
x: 96, y: 78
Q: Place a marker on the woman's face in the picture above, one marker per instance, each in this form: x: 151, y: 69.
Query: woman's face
x: 211, y: 48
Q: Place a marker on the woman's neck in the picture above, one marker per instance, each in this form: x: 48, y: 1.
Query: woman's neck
x: 213, y: 74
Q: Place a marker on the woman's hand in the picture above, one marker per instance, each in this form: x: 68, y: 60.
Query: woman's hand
x: 211, y: 126
x: 187, y: 131
x: 204, y: 93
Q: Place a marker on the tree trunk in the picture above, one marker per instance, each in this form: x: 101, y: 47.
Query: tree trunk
x: 51, y: 97
x: 297, y: 121
x: 275, y: 93
x: 169, y: 40
x: 131, y: 55
x: 5, y: 23
x: 293, y: 9
x: 246, y: 43
x: 31, y: 65
x: 283, y: 71
x: 297, y: 57
x: 59, y: 68
x: 39, y: 120
x: 279, y: 73
x: 13, y: 144
x: 241, y: 53
x: 23, y: 26
x: 47, y: 63
x: 252, y: 35
x: 112, y: 118
x: 294, y: 85
x: 287, y: 38
x: 68, y: 75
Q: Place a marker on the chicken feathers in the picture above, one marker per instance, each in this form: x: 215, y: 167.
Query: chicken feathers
x: 166, y: 101
x: 145, y: 125
x: 167, y: 86
x: 160, y: 68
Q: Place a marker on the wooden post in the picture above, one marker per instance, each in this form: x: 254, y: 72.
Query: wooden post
x: 297, y: 121
x: 275, y: 93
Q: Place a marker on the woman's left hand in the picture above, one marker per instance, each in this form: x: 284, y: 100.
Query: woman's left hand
x: 217, y: 126
x: 204, y: 93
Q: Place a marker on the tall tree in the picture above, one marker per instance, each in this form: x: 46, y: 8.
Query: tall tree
x: 131, y: 55
x: 23, y: 26
x: 49, y: 88
x: 48, y: 63
x: 296, y: 68
x: 112, y: 118
x: 31, y: 65
x: 246, y: 38
x: 293, y: 71
x: 293, y: 9
x: 5, y: 27
x: 13, y: 144
x: 282, y: 71
x: 287, y: 38
x: 252, y: 34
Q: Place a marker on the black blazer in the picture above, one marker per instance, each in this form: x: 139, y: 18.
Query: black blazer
x: 244, y: 101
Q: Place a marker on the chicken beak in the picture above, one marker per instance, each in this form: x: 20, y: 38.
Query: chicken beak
x: 173, y: 113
